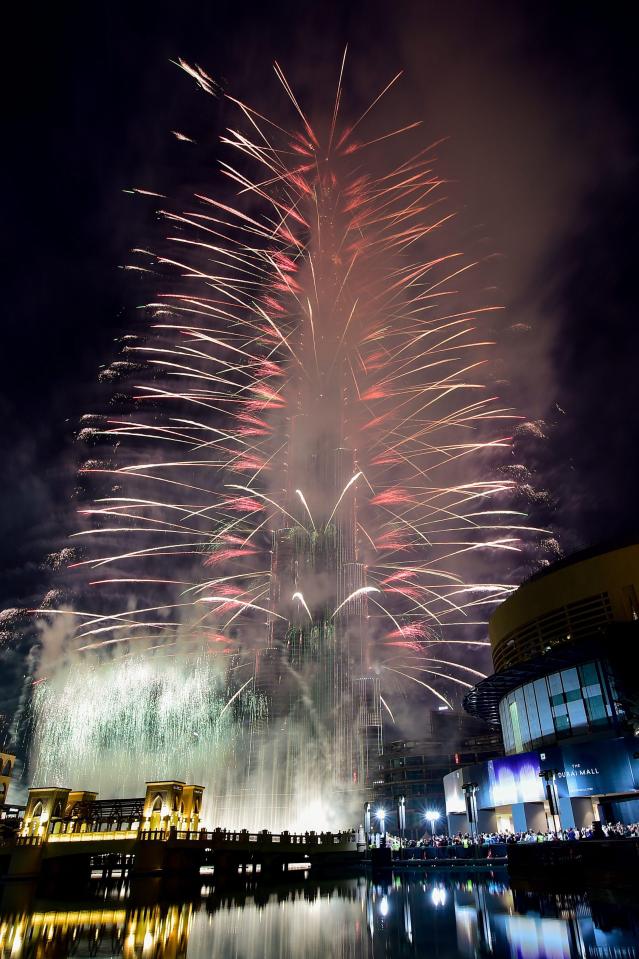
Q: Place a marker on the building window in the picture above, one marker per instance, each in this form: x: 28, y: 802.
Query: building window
x: 514, y: 721
x: 565, y: 703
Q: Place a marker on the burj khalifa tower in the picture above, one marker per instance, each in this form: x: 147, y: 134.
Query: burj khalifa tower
x: 314, y: 667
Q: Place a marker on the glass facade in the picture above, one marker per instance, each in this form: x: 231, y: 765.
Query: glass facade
x: 568, y: 703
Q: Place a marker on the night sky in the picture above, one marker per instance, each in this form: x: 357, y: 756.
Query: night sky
x: 537, y: 101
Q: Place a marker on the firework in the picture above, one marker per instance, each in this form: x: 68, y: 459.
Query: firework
x: 302, y: 483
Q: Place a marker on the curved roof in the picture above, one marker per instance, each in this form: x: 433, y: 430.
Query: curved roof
x: 484, y: 699
x: 567, y: 601
x: 590, y: 552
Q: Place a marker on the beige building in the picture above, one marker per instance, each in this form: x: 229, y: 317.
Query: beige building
x: 172, y: 803
x: 7, y: 762
x: 574, y: 600
x: 167, y: 805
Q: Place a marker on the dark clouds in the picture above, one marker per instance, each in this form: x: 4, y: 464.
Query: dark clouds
x: 536, y: 100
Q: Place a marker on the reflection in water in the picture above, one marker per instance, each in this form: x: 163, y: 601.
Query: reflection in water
x: 133, y: 934
x: 345, y: 919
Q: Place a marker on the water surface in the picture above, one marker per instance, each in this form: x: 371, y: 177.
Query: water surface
x: 351, y: 918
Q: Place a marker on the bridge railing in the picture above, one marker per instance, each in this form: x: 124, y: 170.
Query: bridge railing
x: 28, y: 841
x: 155, y: 835
x: 93, y: 836
x: 216, y: 837
x: 243, y: 837
x: 11, y: 813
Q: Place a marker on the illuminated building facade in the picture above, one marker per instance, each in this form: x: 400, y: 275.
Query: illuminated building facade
x: 415, y: 769
x: 565, y: 697
x: 7, y: 762
x: 54, y: 811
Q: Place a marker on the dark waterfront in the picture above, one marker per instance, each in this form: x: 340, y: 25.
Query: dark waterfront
x: 349, y: 918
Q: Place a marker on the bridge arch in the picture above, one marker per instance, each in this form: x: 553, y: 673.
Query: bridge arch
x: 156, y: 812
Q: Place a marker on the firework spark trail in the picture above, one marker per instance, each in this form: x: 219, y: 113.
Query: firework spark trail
x: 322, y: 280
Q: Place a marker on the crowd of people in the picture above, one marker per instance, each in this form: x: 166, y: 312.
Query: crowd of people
x: 597, y: 830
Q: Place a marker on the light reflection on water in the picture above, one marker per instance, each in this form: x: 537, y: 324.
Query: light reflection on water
x: 320, y: 919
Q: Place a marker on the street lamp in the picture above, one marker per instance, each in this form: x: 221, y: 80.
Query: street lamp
x: 381, y: 816
x: 367, y: 821
x: 549, y: 777
x: 401, y: 821
x: 470, y: 791
x: 431, y: 815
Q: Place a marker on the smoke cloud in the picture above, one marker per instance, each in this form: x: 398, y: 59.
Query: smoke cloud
x: 536, y: 134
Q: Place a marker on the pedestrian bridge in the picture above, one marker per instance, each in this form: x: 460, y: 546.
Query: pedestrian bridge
x: 66, y: 833
x: 176, y: 851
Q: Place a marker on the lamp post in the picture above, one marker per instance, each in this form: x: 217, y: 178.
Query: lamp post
x: 549, y: 777
x: 381, y: 818
x: 431, y: 816
x: 470, y: 792
x: 401, y: 822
